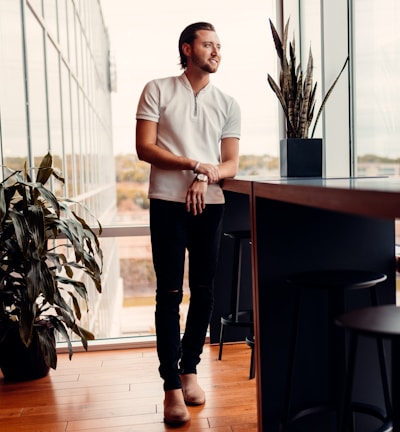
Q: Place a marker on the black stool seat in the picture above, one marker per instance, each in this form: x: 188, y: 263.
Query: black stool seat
x: 333, y: 279
x: 378, y: 322
x: 335, y: 282
x: 240, y: 234
x: 236, y: 317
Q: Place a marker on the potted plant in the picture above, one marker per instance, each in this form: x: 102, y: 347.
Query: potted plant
x: 296, y: 94
x: 45, y: 250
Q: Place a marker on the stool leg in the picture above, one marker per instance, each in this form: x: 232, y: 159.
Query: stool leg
x: 395, y: 383
x: 235, y: 292
x: 382, y: 362
x: 384, y: 376
x: 236, y: 276
x: 292, y: 357
x: 344, y: 424
x: 221, y: 341
x: 252, y: 366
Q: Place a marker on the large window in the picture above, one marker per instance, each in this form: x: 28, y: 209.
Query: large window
x: 55, y: 96
x: 145, y: 48
x: 143, y: 52
x: 55, y: 92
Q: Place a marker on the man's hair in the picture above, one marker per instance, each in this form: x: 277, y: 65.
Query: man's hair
x: 189, y: 35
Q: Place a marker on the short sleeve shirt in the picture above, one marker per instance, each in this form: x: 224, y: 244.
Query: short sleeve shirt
x: 188, y: 125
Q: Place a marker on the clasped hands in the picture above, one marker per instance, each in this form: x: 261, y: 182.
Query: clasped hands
x: 195, y: 196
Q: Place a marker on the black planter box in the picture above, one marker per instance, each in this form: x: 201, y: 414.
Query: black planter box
x: 301, y: 157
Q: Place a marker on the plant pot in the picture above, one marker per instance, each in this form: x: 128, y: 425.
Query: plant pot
x: 21, y: 363
x: 301, y: 157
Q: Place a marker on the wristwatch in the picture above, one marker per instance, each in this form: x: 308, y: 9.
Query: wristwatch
x: 202, y: 178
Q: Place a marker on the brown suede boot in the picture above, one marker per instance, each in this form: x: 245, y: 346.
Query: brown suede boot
x: 175, y: 411
x: 193, y: 394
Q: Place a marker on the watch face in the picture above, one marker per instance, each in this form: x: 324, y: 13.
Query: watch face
x: 202, y: 177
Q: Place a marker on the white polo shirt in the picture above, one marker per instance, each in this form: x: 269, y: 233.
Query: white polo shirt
x: 188, y: 125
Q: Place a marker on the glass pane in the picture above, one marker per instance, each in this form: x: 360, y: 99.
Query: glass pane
x: 132, y: 299
x: 76, y: 142
x: 55, y: 119
x: 376, y: 72
x: 62, y: 26
x: 36, y: 5
x: 50, y: 14
x: 12, y: 93
x: 69, y: 173
x: 36, y: 88
x: 71, y: 35
x: 377, y: 94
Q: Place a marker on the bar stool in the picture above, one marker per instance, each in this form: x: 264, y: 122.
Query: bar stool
x: 250, y: 342
x: 377, y: 322
x: 236, y: 317
x: 335, y: 282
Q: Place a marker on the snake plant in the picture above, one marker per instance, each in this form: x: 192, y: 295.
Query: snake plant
x: 296, y: 91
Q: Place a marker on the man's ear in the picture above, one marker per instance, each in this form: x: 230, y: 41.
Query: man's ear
x: 186, y: 49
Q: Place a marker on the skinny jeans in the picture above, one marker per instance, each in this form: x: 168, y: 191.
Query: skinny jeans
x: 173, y: 230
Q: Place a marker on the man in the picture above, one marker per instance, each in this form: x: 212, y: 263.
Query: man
x: 188, y: 131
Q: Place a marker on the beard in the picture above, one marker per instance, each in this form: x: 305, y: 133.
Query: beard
x: 204, y: 65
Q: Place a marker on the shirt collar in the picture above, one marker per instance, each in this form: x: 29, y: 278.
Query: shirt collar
x: 187, y: 84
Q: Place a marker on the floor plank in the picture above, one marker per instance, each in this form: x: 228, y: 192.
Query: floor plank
x: 120, y: 391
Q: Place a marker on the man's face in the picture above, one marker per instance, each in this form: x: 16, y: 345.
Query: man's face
x: 206, y: 51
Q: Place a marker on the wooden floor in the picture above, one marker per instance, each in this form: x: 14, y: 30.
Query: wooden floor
x: 120, y: 391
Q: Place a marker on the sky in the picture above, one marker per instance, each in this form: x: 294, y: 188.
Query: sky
x: 144, y: 43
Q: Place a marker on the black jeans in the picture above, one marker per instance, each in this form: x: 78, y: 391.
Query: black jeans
x: 173, y: 230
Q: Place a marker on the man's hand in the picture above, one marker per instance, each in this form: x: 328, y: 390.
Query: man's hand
x: 195, y: 197
x: 211, y: 171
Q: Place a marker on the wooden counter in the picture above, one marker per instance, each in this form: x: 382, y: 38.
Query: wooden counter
x: 311, y: 224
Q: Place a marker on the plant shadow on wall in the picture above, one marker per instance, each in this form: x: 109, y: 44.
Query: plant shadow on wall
x: 47, y: 253
x: 300, y: 155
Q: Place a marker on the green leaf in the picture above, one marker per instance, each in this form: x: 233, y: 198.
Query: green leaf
x: 47, y: 345
x: 27, y: 319
x: 277, y: 41
x: 3, y: 203
x: 59, y: 326
x: 36, y: 223
x: 40, y: 280
x: 21, y: 230
x: 307, y: 91
x: 45, y: 169
x: 78, y: 286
